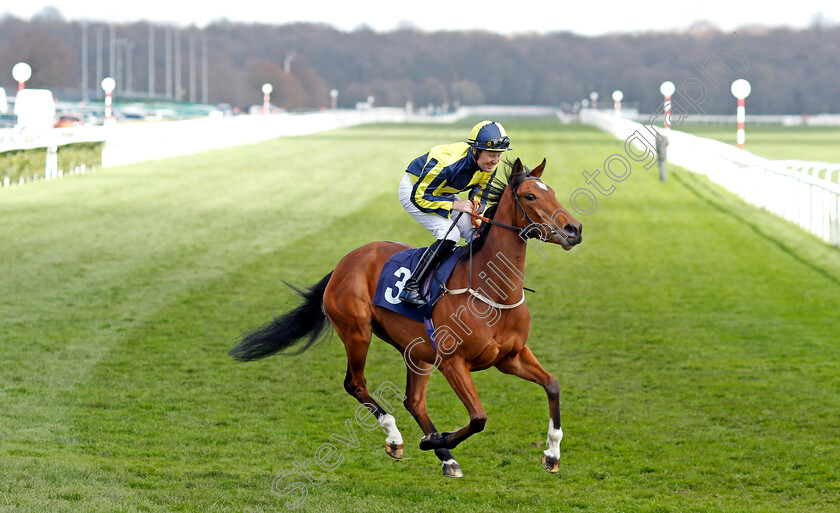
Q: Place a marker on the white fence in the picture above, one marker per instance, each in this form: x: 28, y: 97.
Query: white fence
x: 50, y: 140
x: 128, y: 143
x: 801, y: 192
x: 751, y: 119
x: 135, y: 142
x: 827, y: 171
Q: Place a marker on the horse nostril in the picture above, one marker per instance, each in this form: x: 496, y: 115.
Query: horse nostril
x: 573, y: 232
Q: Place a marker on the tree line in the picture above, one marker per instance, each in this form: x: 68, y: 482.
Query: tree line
x: 791, y: 71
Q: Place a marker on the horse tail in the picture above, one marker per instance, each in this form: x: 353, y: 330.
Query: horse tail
x: 308, y: 319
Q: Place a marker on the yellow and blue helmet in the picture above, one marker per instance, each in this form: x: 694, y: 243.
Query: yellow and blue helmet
x: 489, y: 135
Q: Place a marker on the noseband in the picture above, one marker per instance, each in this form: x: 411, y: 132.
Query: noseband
x: 526, y: 232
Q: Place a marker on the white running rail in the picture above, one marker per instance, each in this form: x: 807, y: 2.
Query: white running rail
x: 805, y: 193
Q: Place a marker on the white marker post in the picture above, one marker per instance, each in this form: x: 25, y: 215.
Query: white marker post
x: 108, y: 85
x: 667, y: 89
x: 740, y: 90
x: 617, y: 96
x: 21, y: 72
x: 266, y: 89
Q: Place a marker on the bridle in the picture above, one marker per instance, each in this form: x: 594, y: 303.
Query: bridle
x: 528, y: 231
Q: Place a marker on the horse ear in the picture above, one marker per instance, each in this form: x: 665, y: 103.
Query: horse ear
x: 517, y: 169
x: 538, y: 170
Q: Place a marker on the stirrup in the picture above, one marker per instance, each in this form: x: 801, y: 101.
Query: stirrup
x: 411, y: 294
x: 434, y: 255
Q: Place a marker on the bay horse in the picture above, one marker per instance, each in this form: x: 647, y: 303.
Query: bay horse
x: 483, y: 328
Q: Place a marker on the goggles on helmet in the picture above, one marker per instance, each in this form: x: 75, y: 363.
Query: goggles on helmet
x: 497, y: 143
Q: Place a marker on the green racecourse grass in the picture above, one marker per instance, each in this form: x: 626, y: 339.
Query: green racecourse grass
x: 695, y: 340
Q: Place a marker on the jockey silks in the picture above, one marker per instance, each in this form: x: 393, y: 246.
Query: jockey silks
x: 446, y: 170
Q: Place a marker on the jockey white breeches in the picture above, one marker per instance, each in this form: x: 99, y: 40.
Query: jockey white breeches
x: 434, y: 223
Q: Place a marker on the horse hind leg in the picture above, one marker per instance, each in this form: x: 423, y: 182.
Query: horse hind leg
x: 347, y: 303
x: 393, y: 437
x: 356, y: 344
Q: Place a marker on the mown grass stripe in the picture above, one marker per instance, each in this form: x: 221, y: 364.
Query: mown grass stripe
x: 693, y: 337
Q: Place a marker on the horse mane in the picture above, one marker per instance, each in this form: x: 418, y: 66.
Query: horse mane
x: 495, y: 189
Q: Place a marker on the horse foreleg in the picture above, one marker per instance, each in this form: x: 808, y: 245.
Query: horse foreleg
x: 526, y: 366
x: 457, y: 373
x: 415, y: 403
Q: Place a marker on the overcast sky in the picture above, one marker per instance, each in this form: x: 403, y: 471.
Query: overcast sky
x: 508, y: 17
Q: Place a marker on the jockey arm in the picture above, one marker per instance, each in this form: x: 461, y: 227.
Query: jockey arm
x: 479, y: 193
x: 465, y: 206
x: 435, y: 180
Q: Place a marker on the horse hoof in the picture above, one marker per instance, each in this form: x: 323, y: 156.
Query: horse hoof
x: 431, y: 441
x: 452, y: 469
x: 550, y: 464
x: 394, y: 450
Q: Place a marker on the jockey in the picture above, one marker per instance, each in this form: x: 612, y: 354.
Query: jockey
x: 429, y: 189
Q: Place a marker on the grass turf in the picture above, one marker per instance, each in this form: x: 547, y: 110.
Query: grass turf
x: 693, y: 336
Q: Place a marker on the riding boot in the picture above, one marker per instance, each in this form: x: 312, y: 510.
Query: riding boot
x: 434, y: 255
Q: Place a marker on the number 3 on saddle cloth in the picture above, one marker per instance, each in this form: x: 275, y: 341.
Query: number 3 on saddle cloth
x: 396, y: 272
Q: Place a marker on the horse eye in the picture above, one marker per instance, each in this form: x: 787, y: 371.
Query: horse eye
x: 530, y: 197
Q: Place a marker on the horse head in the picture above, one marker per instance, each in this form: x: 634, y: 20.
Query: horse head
x: 538, y: 214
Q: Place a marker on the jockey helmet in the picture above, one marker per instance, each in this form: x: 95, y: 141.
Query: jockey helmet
x: 489, y: 135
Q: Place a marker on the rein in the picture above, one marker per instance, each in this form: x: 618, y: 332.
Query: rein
x: 477, y: 294
x: 525, y: 232
x: 488, y: 220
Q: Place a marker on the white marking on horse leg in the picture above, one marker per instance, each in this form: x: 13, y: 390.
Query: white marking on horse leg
x: 554, y: 437
x: 452, y: 469
x: 389, y: 425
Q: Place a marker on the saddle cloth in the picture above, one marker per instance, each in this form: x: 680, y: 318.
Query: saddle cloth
x: 396, y: 272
